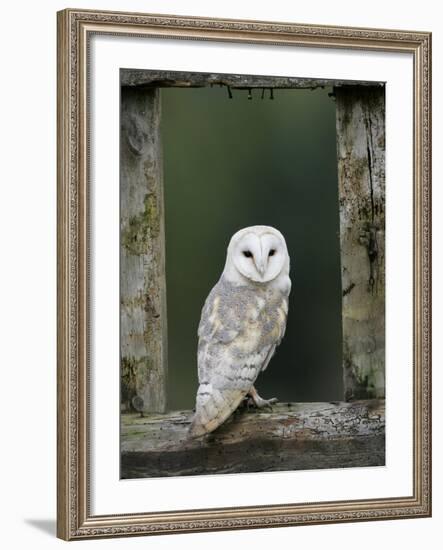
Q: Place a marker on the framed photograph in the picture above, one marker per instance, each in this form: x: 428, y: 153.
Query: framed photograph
x: 243, y: 274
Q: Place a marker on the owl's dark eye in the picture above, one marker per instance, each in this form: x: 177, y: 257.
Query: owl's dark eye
x: 247, y: 253
x: 272, y: 252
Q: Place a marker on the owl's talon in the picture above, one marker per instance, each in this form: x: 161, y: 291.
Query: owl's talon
x: 259, y: 402
x: 247, y: 402
x: 267, y: 403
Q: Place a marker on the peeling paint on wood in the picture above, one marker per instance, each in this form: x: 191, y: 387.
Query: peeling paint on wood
x: 361, y: 174
x: 293, y: 436
x: 142, y: 275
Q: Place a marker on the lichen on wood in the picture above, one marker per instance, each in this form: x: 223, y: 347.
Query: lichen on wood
x: 142, y: 274
x: 360, y: 114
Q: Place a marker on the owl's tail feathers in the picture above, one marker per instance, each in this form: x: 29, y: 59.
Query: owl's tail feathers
x: 197, y: 429
x: 213, y: 409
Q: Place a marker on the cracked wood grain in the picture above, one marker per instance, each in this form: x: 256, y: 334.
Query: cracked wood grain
x: 360, y: 115
x: 293, y: 436
x: 141, y: 77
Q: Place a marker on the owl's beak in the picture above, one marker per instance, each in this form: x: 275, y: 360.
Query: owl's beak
x: 261, y: 268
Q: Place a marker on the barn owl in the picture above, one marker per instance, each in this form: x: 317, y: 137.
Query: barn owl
x: 243, y: 320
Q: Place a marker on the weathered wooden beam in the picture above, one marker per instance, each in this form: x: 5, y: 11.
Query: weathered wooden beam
x: 139, y: 77
x: 142, y: 256
x: 361, y: 181
x: 293, y: 436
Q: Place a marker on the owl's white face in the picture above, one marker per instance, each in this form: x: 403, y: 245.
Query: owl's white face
x: 258, y: 253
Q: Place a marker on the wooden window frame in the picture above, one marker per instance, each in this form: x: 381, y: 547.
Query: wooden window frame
x: 293, y: 436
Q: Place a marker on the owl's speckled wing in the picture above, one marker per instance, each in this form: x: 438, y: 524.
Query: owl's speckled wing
x: 239, y: 330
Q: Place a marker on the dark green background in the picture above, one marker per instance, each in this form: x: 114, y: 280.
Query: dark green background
x: 231, y: 163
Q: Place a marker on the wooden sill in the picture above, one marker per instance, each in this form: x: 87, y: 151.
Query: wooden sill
x: 293, y: 436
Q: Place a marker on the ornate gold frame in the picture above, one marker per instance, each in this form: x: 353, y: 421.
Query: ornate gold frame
x: 74, y: 29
